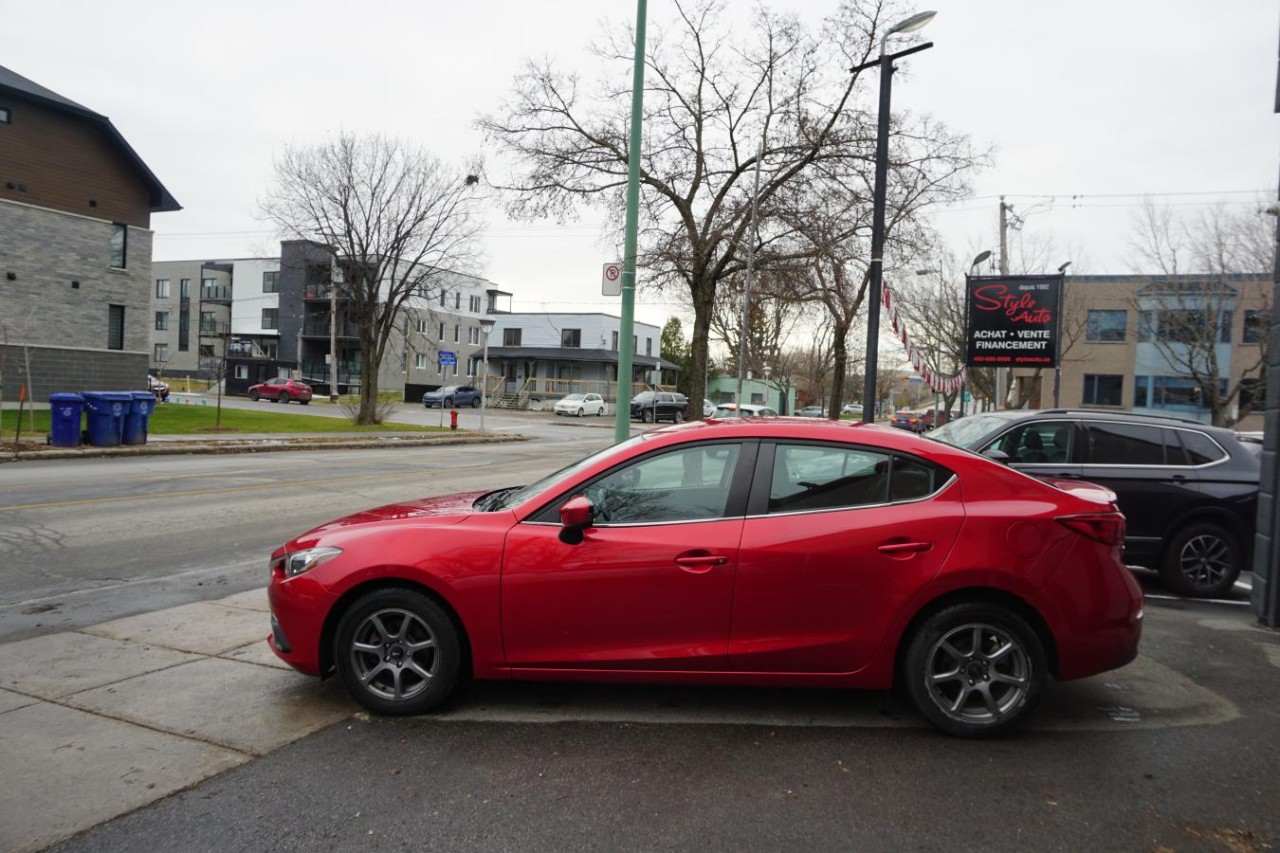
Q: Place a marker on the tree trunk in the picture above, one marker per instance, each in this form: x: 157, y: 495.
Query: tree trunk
x: 368, y: 377
x: 703, y: 293
x: 840, y: 357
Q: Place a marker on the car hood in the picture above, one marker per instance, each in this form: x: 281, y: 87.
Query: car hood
x: 447, y: 509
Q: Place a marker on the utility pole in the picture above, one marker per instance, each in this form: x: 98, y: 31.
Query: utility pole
x: 1001, y: 393
x: 333, y: 333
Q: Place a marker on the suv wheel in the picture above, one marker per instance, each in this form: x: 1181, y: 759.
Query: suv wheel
x: 1202, y: 560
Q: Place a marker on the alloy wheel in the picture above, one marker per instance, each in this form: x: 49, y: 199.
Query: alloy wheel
x: 1205, y: 560
x: 394, y: 654
x: 978, y: 673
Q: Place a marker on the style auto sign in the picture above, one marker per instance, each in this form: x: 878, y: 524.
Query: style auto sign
x: 1013, y: 321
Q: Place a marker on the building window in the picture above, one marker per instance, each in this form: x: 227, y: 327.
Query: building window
x: 648, y: 346
x: 475, y: 305
x: 184, y: 287
x: 4, y: 115
x: 1255, y: 327
x: 119, y: 245
x: 1106, y: 326
x: 473, y: 335
x: 455, y: 333
x: 442, y: 331
x: 162, y: 288
x: 511, y: 337
x: 1184, y: 325
x: 457, y: 300
x: 1102, y: 390
x: 208, y: 325
x: 420, y: 360
x: 615, y: 341
x: 443, y: 295
x: 162, y: 321
x: 184, y: 330
x: 162, y: 353
x: 115, y: 327
x: 270, y: 349
x: 571, y: 338
x: 242, y: 371
x: 269, y: 283
x: 422, y: 326
x: 206, y: 351
x: 270, y: 318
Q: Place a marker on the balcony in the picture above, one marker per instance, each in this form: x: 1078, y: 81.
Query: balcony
x: 215, y: 294
x: 318, y: 327
x: 318, y: 291
x: 215, y: 329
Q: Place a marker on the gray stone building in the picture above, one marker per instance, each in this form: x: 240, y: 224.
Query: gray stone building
x: 75, y: 247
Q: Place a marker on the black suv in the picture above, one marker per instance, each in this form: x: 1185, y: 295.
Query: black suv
x: 650, y: 406
x: 1188, y: 491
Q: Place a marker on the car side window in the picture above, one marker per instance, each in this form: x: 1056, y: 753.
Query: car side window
x: 1039, y: 443
x: 809, y: 477
x: 682, y: 485
x: 1125, y: 444
x: 1200, y: 448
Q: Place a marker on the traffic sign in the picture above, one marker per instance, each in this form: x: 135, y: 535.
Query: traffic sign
x: 448, y: 359
x: 611, y: 279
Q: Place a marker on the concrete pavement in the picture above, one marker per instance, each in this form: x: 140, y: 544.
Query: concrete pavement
x: 98, y: 722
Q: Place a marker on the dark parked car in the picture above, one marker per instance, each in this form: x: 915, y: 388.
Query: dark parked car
x: 452, y: 395
x: 761, y: 551
x: 281, y: 391
x: 914, y: 421
x: 1189, y: 491
x: 650, y: 406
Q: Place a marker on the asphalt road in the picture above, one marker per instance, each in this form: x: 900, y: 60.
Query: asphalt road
x: 84, y: 541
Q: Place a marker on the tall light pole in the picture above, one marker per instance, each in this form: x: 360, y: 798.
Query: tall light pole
x: 1057, y: 356
x: 981, y: 256
x: 486, y: 326
x: 746, y: 282
x: 885, y: 62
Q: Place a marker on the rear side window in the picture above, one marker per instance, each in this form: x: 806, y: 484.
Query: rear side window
x: 812, y: 477
x: 1200, y: 448
x: 1125, y: 444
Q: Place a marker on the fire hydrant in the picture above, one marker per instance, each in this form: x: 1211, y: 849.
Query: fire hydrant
x: 453, y: 419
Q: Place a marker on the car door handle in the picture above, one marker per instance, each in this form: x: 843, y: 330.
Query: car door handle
x: 700, y: 563
x: 895, y: 548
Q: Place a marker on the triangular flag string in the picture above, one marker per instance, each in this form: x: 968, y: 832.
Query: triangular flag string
x: 941, y: 384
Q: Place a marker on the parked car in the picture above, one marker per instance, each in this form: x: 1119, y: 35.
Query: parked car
x: 650, y: 406
x: 965, y: 582
x: 708, y: 408
x: 158, y: 388
x: 909, y: 420
x: 281, y: 390
x: 580, y: 404
x: 812, y: 412
x: 851, y: 409
x: 1189, y: 491
x: 749, y: 410
x: 451, y: 396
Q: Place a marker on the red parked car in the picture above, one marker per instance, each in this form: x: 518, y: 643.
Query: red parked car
x: 761, y: 551
x: 281, y: 391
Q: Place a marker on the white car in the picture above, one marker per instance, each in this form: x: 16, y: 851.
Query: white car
x: 708, y: 408
x: 581, y: 404
x: 749, y: 410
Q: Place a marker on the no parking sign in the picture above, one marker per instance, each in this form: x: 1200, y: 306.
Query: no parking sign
x: 611, y: 280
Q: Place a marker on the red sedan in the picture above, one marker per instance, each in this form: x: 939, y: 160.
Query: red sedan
x: 281, y: 391
x: 758, y: 551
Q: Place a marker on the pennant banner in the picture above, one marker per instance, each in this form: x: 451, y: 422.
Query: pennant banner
x: 948, y: 385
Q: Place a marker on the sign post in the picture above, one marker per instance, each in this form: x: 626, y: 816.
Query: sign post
x: 447, y: 359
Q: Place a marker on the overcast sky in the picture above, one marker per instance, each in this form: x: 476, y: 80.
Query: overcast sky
x: 1090, y: 106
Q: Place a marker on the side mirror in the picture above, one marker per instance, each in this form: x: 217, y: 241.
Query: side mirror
x: 575, y: 517
x: 996, y: 455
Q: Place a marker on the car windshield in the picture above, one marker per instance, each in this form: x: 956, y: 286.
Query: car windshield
x: 573, y: 398
x: 966, y: 432
x: 448, y: 389
x: 514, y: 497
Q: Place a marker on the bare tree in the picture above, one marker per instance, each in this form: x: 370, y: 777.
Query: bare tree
x: 1212, y: 264
x: 395, y: 221
x: 715, y: 102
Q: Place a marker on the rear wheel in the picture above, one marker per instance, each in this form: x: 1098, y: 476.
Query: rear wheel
x: 1203, y: 560
x: 600, y: 411
x: 303, y: 402
x: 475, y: 402
x: 397, y: 652
x: 975, y: 669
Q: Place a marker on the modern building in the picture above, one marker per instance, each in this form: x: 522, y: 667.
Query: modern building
x: 545, y: 356
x: 1132, y: 342
x: 75, y: 247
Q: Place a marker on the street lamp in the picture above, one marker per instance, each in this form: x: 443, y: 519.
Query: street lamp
x: 1057, y: 356
x: 885, y: 62
x: 486, y: 326
x: 768, y: 371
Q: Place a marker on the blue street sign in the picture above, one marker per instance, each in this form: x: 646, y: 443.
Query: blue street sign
x: 448, y: 359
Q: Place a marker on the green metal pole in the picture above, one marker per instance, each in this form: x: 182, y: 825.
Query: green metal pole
x: 622, y: 417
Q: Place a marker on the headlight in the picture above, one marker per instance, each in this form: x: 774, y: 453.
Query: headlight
x: 300, y: 561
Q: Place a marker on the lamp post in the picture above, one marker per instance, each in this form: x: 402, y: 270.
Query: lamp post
x: 486, y: 326
x: 885, y: 62
x: 1057, y: 356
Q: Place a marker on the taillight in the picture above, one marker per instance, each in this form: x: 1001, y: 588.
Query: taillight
x: 1104, y: 527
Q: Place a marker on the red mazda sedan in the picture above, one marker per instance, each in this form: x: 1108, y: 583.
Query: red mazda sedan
x: 281, y: 390
x: 744, y: 551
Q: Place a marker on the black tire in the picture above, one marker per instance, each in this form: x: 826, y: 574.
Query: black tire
x: 475, y: 402
x: 253, y: 395
x: 1203, y: 560
x: 959, y: 685
x: 646, y: 415
x: 282, y: 397
x: 383, y: 623
x: 448, y: 402
x: 600, y: 412
x: 581, y: 412
x: 678, y: 417
x: 303, y: 402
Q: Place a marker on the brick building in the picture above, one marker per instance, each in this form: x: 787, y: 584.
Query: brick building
x: 75, y: 246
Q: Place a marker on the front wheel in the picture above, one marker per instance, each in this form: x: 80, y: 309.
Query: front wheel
x: 448, y: 402
x: 253, y: 395
x: 975, y: 669
x: 397, y: 652
x: 1203, y: 560
x: 475, y: 402
x: 580, y: 412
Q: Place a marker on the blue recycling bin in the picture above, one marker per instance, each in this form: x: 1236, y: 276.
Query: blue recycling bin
x: 138, y: 418
x: 65, y: 411
x: 106, y: 411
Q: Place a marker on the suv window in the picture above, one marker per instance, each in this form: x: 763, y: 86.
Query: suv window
x: 1200, y: 448
x: 1039, y: 442
x: 1125, y: 444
